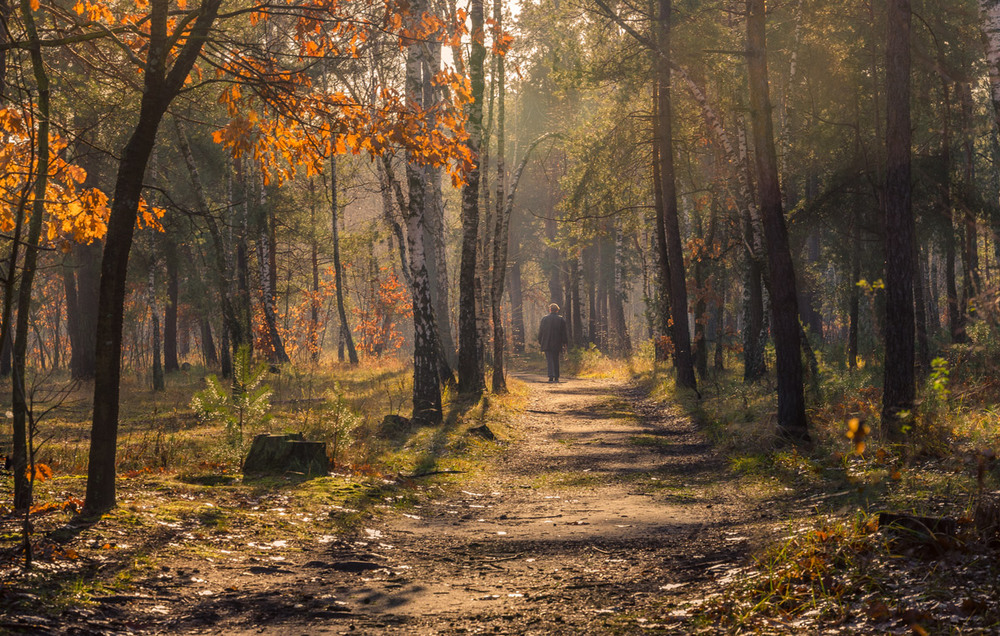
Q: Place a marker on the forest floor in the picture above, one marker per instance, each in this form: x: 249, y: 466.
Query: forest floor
x: 600, y: 511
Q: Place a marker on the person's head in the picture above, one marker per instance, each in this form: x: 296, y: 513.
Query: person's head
x: 553, y: 308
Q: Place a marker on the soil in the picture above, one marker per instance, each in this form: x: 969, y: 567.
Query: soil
x: 607, y: 515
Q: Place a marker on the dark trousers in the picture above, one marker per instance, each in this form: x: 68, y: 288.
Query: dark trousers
x: 552, y: 360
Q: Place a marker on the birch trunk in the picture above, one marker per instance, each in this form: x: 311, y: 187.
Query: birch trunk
x: 434, y: 237
x: 989, y: 11
x: 426, y: 388
x: 502, y: 220
x: 470, y: 376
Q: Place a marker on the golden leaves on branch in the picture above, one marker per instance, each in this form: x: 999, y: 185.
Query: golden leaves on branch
x: 73, y: 213
x: 280, y: 120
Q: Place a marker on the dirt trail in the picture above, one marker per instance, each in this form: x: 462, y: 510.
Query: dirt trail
x: 604, y: 519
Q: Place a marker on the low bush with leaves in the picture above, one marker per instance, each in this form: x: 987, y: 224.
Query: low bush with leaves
x: 335, y: 424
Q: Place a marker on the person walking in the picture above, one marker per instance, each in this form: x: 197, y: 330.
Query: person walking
x: 551, y: 339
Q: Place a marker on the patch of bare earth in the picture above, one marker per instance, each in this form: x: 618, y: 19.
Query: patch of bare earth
x: 607, y: 515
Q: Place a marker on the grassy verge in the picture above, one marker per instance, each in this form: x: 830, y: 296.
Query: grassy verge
x: 183, y: 500
x: 832, y: 566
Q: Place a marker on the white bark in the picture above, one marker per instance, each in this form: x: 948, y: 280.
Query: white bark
x: 990, y: 13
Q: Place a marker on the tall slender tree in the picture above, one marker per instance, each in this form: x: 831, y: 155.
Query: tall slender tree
x: 338, y: 269
x: 164, y: 74
x: 426, y: 347
x: 470, y: 378
x: 675, y: 272
x: 898, y: 382
x: 792, y: 421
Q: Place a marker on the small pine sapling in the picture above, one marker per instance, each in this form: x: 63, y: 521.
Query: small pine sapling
x: 245, y: 409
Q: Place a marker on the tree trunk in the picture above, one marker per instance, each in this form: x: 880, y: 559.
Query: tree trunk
x: 338, y: 270
x: 792, y: 421
x: 208, y: 344
x: 6, y: 326
x: 389, y: 186
x: 170, y: 362
x: 568, y: 309
x: 504, y: 212
x: 604, y: 269
x: 590, y: 262
x: 154, y: 311
x: 21, y: 453
x: 265, y: 258
x: 854, y: 293
x: 242, y: 299
x: 516, y: 295
x: 500, y: 239
x: 470, y: 376
x: 551, y: 265
x: 160, y: 86
x: 234, y: 332
x: 574, y: 302
x: 662, y: 304
x: 719, y: 362
x: 426, y: 388
x: 934, y: 296
x: 899, y: 387
x: 225, y: 358
x: 990, y: 16
x: 700, y: 306
x: 315, y: 302
x: 956, y: 322
x: 72, y: 307
x: 972, y: 283
x: 434, y: 239
x: 920, y: 314
x: 623, y: 343
x: 683, y: 360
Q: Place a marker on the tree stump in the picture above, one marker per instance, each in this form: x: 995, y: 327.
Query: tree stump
x: 280, y: 454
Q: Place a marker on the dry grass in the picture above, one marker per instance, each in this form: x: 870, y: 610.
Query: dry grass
x: 160, y: 430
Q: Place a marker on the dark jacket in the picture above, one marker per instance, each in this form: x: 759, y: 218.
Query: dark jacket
x: 552, y: 333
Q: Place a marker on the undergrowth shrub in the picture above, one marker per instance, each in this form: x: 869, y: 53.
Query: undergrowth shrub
x: 335, y: 424
x: 811, y: 571
x: 243, y: 410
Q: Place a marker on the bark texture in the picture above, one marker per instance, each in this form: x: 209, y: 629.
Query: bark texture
x: 898, y: 383
x: 792, y: 421
x: 683, y: 359
x: 160, y: 86
x: 470, y: 377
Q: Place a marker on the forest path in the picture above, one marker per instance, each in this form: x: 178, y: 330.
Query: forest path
x: 606, y: 517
